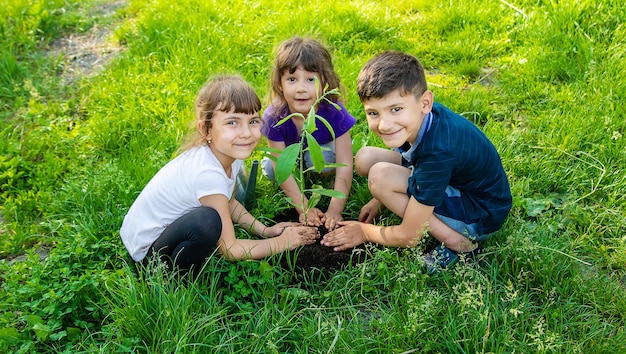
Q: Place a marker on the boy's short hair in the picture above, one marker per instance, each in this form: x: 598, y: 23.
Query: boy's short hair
x: 389, y: 71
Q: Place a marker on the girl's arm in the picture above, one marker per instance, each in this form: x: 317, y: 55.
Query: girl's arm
x: 235, y: 249
x: 242, y: 217
x: 343, y: 178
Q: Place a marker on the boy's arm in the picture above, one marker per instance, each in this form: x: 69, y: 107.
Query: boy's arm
x: 369, y: 211
x: 407, y: 234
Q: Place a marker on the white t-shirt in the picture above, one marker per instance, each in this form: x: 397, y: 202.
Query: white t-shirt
x: 171, y: 193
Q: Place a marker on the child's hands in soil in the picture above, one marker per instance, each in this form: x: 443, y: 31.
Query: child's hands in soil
x: 300, y: 235
x: 313, y: 217
x: 277, y: 229
x: 331, y: 220
x: 369, y: 211
x: 348, y: 235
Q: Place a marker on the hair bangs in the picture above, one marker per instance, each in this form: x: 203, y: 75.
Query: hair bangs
x: 238, y: 98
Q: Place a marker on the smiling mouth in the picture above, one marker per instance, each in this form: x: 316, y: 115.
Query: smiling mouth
x: 390, y: 134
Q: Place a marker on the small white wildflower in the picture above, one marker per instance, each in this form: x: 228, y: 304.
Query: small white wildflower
x: 511, y: 293
x: 616, y: 135
x: 544, y: 339
x: 515, y: 312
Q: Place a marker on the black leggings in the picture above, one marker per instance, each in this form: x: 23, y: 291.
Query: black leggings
x: 189, y: 240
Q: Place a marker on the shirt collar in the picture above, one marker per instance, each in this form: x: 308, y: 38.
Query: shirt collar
x: 426, y: 123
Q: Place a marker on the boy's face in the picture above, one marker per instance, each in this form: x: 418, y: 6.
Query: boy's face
x: 396, y: 119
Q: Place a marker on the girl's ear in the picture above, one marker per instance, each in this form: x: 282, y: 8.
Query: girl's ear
x: 426, y: 101
x: 202, y: 129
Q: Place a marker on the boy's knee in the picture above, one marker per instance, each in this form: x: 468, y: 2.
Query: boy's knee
x: 363, y: 161
x: 378, y: 178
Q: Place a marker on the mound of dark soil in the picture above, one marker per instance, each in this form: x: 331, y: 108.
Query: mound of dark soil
x: 316, y: 257
x: 325, y: 258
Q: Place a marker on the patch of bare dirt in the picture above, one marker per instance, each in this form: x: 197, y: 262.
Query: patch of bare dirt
x: 83, y: 55
x: 86, y: 54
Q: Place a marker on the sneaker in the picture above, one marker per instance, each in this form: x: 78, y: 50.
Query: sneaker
x: 442, y: 257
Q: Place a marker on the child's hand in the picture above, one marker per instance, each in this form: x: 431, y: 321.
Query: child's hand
x: 331, y: 220
x: 348, y: 235
x: 278, y: 229
x: 300, y: 235
x: 370, y: 211
x: 313, y: 217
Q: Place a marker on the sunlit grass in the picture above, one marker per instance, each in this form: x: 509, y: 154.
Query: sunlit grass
x: 546, y: 81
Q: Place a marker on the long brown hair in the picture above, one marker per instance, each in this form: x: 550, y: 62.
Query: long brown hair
x: 312, y: 56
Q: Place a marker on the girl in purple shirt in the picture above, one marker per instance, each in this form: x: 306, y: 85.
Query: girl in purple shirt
x: 298, y: 62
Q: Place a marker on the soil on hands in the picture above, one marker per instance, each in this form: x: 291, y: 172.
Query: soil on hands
x: 316, y: 257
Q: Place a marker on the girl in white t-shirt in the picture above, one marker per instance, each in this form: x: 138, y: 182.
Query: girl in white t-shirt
x: 188, y: 208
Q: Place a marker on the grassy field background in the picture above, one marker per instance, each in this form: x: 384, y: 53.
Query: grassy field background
x: 545, y: 80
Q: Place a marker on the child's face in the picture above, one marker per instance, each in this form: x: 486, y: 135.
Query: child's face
x: 234, y: 135
x: 396, y: 119
x: 299, y: 90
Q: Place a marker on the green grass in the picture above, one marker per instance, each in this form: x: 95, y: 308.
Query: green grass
x: 545, y: 80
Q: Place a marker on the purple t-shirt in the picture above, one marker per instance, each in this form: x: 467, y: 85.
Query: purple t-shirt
x: 340, y: 120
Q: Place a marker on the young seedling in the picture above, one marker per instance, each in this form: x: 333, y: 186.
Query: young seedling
x: 290, y: 161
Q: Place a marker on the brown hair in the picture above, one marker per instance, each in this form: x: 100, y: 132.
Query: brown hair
x: 221, y: 93
x: 389, y: 71
x: 312, y: 56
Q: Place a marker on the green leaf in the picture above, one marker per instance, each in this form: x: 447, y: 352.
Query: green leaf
x: 282, y: 121
x: 309, y: 123
x: 316, y: 153
x: 58, y: 335
x: 327, y: 192
x: 265, y: 269
x: 536, y: 207
x: 314, y: 199
x: 270, y: 152
x: 334, y: 104
x: 10, y: 334
x: 328, y: 126
x: 33, y: 320
x: 73, y: 333
x: 286, y: 162
x: 294, y: 204
x: 334, y: 165
x: 42, y: 331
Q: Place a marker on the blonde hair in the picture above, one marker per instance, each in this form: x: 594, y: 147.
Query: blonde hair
x: 222, y: 93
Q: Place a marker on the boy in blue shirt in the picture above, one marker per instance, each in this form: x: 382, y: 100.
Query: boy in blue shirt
x: 443, y: 177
